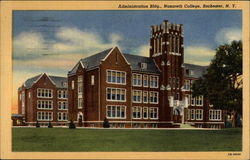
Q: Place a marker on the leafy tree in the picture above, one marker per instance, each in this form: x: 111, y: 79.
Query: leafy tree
x: 50, y: 125
x: 72, y: 125
x: 37, y: 124
x: 106, y: 123
x: 222, y: 82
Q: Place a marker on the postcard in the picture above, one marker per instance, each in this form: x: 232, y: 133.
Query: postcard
x: 124, y: 80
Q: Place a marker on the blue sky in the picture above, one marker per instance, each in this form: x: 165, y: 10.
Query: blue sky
x: 53, y: 41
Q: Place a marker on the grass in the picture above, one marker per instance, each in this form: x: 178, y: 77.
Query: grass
x: 105, y: 140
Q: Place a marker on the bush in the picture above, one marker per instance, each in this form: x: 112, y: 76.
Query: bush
x: 50, y: 125
x: 106, y: 123
x: 72, y: 125
x: 37, y: 124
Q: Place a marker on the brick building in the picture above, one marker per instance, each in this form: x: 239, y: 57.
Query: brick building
x: 43, y: 98
x: 133, y: 91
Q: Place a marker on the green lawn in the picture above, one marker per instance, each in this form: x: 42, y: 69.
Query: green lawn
x: 64, y: 139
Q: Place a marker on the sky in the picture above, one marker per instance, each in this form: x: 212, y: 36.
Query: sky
x: 52, y: 42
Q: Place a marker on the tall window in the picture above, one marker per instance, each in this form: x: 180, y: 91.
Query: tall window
x: 173, y: 82
x: 153, y: 96
x: 145, y: 97
x: 80, y: 85
x: 199, y: 114
x: 62, y: 116
x: 92, y: 80
x: 44, y: 104
x: 199, y: 101
x: 145, y: 80
x: 116, y: 77
x: 44, y: 116
x: 192, y: 100
x: 116, y: 111
x: 116, y: 94
x: 187, y: 85
x: 153, y: 113
x: 188, y: 114
x: 44, y: 93
x: 80, y: 103
x: 137, y: 112
x: 62, y: 94
x: 153, y: 81
x: 145, y: 112
x: 137, y: 79
x: 177, y: 82
x: 188, y: 97
x: 192, y: 114
x: 137, y: 96
x: 73, y: 84
x: 62, y: 105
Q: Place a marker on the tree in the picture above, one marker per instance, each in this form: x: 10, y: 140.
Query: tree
x: 222, y: 82
x: 106, y: 123
x: 50, y: 125
x: 37, y: 124
x: 72, y: 125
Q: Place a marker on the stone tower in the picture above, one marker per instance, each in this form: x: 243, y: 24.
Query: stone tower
x: 167, y: 50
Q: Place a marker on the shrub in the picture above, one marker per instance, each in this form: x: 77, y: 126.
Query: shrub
x: 37, y: 124
x: 72, y: 125
x: 106, y: 123
x: 50, y: 125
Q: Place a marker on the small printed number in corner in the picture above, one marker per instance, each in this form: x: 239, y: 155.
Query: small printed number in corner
x: 234, y: 154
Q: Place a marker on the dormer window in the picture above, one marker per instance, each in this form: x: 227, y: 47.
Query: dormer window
x: 143, y: 65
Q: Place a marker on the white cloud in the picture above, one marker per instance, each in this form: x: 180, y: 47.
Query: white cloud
x: 200, y: 55
x: 142, y: 50
x: 227, y: 35
x: 67, y: 40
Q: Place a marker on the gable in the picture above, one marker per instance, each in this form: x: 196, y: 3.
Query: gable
x: 115, y: 56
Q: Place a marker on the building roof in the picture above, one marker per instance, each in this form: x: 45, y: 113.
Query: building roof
x: 134, y: 60
x: 194, y: 71
x: 58, y: 81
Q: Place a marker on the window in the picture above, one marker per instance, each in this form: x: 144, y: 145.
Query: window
x: 153, y: 81
x: 191, y: 72
x: 177, y: 83
x: 187, y: 85
x: 29, y: 94
x: 137, y: 112
x: 188, y: 97
x: 214, y: 114
x: 153, y: 96
x: 73, y: 84
x: 92, y: 80
x: 145, y: 97
x: 145, y: 80
x: 116, y: 94
x: 137, y: 94
x: 116, y: 77
x: 116, y: 112
x: 62, y: 116
x: 44, y: 93
x: 62, y: 94
x: 143, y: 65
x: 188, y: 114
x: 44, y: 104
x: 137, y: 79
x: 80, y: 85
x: 191, y: 84
x: 192, y: 100
x: 153, y: 113
x: 80, y: 103
x: 199, y: 101
x: 199, y: 114
x: 23, y: 102
x: 62, y: 105
x: 173, y: 82
x: 170, y: 81
x: 192, y: 114
x: 145, y: 112
x: 44, y: 116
